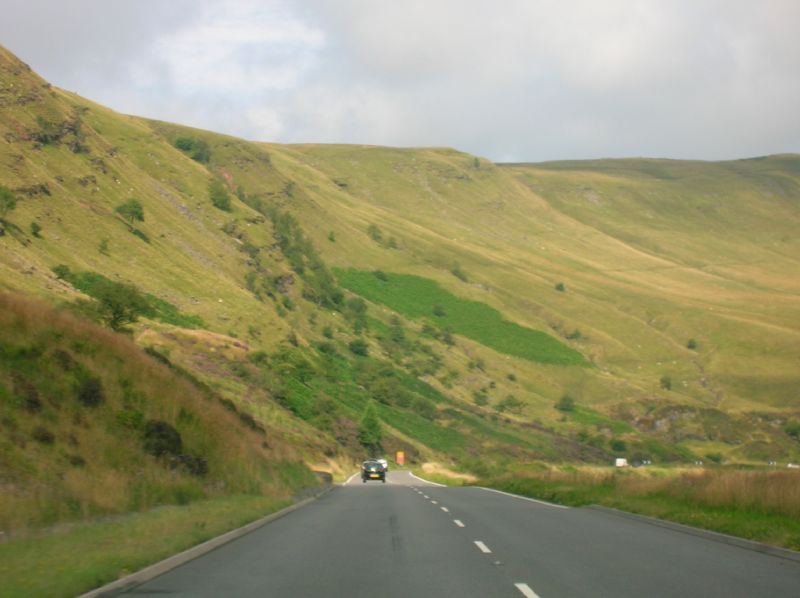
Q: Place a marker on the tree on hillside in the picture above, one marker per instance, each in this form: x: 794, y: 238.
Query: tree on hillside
x: 369, y: 428
x: 8, y: 201
x: 131, y: 211
x: 120, y: 304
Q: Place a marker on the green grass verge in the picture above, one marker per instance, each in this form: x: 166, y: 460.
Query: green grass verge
x: 75, y: 559
x: 420, y: 298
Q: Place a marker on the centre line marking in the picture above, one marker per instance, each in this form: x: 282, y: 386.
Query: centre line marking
x: 483, y: 548
x: 433, y: 502
x: 425, y: 496
x: 526, y: 590
x: 445, y: 509
x: 458, y: 522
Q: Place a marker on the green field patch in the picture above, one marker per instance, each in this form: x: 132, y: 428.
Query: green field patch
x: 424, y: 299
x: 584, y: 415
x: 431, y: 434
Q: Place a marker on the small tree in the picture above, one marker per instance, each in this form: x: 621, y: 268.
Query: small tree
x: 120, y: 304
x: 131, y: 211
x: 370, y: 433
x: 560, y: 287
x: 692, y: 344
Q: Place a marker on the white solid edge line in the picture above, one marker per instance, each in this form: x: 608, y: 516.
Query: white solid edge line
x: 458, y: 522
x: 526, y: 590
x: 483, y: 548
x: 541, y: 502
x: 426, y: 481
x: 349, y: 479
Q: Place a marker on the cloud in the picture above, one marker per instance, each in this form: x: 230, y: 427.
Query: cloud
x: 525, y: 80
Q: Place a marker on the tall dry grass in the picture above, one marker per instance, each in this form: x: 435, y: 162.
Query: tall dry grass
x: 768, y: 491
x: 95, y: 466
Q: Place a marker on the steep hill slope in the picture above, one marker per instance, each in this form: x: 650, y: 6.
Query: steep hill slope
x: 291, y: 280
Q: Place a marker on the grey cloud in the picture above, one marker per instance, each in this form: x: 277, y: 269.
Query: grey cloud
x: 531, y: 80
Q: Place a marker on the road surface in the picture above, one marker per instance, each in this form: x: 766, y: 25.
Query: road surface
x: 412, y: 538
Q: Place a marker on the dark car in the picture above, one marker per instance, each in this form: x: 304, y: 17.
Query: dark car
x: 373, y: 470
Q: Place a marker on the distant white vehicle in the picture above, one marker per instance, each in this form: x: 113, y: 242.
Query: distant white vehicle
x: 620, y: 462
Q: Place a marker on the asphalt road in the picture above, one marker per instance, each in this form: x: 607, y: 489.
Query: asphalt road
x: 411, y: 538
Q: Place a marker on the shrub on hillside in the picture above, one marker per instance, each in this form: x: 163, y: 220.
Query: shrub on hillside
x: 43, y: 435
x: 480, y: 397
x: 160, y: 438
x: 374, y: 232
x: 8, y: 201
x: 617, y: 445
x: 424, y: 407
x: 458, y: 273
x: 666, y: 382
x: 792, y: 428
x: 509, y: 403
x: 565, y: 403
x: 219, y: 196
x: 197, y: 149
x: 194, y: 465
x: 359, y: 347
x: 560, y: 287
x: 61, y: 271
x: 26, y: 391
x: 90, y: 391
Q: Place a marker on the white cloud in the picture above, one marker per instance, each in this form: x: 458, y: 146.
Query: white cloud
x: 523, y: 80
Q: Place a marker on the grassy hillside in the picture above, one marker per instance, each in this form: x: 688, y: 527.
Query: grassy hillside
x: 92, y: 426
x: 675, y: 280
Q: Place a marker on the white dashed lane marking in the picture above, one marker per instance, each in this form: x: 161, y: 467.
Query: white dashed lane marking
x: 445, y: 509
x: 526, y: 591
x: 482, y: 547
x: 458, y: 522
x: 433, y: 502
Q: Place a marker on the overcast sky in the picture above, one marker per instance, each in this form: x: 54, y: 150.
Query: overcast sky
x: 506, y: 79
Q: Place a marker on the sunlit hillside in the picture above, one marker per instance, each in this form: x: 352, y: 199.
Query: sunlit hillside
x: 494, y: 313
